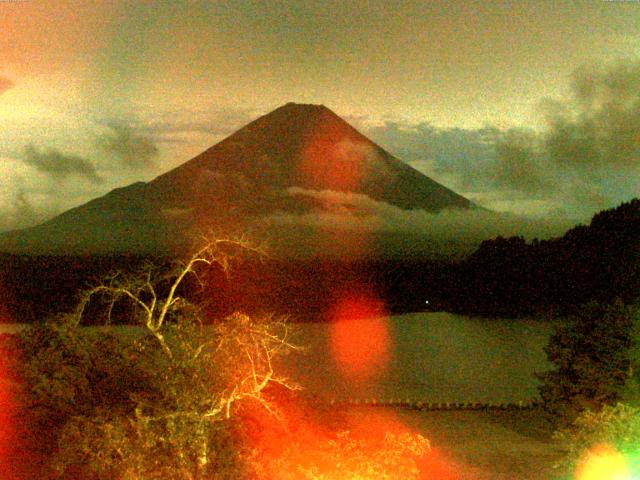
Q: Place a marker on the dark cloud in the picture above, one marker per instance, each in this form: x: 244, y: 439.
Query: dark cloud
x: 5, y: 84
x: 477, y: 160
x: 519, y: 165
x: 467, y: 154
x: 599, y: 128
x: 131, y: 148
x: 591, y: 142
x: 582, y: 158
x: 59, y: 165
x: 457, y: 229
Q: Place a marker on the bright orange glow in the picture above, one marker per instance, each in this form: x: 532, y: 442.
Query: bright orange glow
x: 603, y: 462
x: 372, y: 422
x: 331, y: 160
x: 364, y: 443
x: 7, y: 436
x: 359, y: 337
x: 437, y: 465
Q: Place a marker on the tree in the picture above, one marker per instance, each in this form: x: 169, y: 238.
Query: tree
x: 153, y: 400
x: 604, y: 438
x: 591, y: 355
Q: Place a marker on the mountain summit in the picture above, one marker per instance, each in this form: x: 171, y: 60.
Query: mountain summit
x: 291, y: 164
x: 309, y: 146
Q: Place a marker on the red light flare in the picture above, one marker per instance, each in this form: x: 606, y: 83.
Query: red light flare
x: 305, y: 437
x: 8, y: 387
x: 336, y: 444
x: 7, y: 415
x: 331, y: 160
x: 371, y: 423
x: 337, y: 161
x: 359, y: 336
x: 287, y: 436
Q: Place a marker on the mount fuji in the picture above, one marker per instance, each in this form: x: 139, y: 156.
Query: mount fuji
x: 288, y: 175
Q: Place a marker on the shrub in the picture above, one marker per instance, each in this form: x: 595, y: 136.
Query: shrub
x: 154, y: 400
x: 591, y: 355
x: 612, y: 432
x: 392, y: 457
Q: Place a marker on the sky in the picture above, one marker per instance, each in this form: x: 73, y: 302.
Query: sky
x: 531, y: 107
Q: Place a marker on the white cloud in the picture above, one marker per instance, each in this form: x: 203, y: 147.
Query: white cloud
x: 360, y: 213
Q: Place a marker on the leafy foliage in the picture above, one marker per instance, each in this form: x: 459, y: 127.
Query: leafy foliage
x: 155, y: 401
x: 591, y: 355
x: 392, y: 457
x: 614, y: 426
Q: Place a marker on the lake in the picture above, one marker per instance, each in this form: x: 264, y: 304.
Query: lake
x: 429, y: 357
x: 433, y: 357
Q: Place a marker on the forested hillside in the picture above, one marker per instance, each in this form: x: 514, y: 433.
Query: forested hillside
x: 510, y: 277
x: 504, y: 277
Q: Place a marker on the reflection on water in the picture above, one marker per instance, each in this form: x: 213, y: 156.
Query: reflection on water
x: 435, y: 357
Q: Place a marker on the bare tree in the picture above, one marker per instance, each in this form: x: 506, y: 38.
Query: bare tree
x: 141, y: 287
x: 182, y: 378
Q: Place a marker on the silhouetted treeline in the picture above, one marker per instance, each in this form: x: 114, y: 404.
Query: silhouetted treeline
x: 510, y: 277
x: 504, y: 277
x: 34, y: 287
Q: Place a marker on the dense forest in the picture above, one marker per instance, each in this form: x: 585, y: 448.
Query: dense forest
x: 504, y: 277
x: 510, y: 277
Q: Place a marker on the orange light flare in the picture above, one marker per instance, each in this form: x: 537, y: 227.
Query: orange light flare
x: 7, y: 417
x: 6, y: 426
x: 335, y: 163
x: 603, y: 462
x: 371, y: 424
x: 362, y: 443
x: 331, y: 160
x: 359, y: 337
x: 344, y: 443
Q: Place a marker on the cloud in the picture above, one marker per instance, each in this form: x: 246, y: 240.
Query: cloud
x: 586, y: 158
x: 19, y: 210
x: 178, y: 126
x: 462, y: 153
x: 519, y: 165
x: 599, y: 127
x: 360, y: 213
x: 58, y: 165
x: 132, y: 149
x: 590, y: 146
x: 478, y: 160
x: 5, y: 84
x: 23, y: 207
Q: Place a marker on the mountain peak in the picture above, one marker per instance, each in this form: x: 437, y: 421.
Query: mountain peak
x: 301, y: 106
x: 290, y: 161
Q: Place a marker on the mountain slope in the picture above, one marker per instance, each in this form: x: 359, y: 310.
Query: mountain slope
x: 295, y: 160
